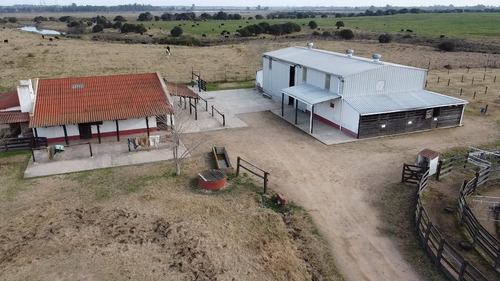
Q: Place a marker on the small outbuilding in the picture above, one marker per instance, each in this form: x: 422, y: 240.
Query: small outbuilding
x: 361, y: 97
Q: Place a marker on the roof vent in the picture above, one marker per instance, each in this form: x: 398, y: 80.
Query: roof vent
x: 77, y: 86
x: 349, y: 52
x: 310, y: 45
x: 376, y: 57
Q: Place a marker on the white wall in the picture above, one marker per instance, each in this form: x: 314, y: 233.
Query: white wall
x: 395, y: 80
x: 350, y: 117
x: 58, y: 131
x: 277, y: 78
x: 26, y: 95
x: 332, y: 114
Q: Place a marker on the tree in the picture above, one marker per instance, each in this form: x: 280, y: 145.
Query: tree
x: 147, y: 16
x: 447, y: 46
x: 182, y: 123
x: 259, y: 17
x: 346, y: 34
x: 119, y: 18
x: 385, y: 38
x: 176, y: 31
x: 312, y: 24
x: 98, y: 28
x: 339, y: 24
x: 12, y: 19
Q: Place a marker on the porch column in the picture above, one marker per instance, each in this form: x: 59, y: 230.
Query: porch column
x: 98, y: 133
x: 147, y: 125
x: 311, y: 124
x: 36, y: 132
x: 282, y: 106
x: 117, y: 131
x: 296, y: 108
x: 65, y: 135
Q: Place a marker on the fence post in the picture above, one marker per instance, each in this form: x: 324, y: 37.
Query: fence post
x: 206, y: 105
x: 439, y: 251
x: 212, y: 110
x: 427, y: 233
x: 265, y: 182
x: 223, y: 120
x: 462, y: 270
x: 476, y: 180
x: 438, y: 172
x: 33, y: 154
x: 238, y: 166
x: 403, y: 174
x: 195, y: 112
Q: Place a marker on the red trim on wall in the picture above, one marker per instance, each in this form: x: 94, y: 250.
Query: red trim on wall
x: 103, y: 135
x: 333, y: 124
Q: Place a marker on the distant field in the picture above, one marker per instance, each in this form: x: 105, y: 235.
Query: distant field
x: 467, y: 25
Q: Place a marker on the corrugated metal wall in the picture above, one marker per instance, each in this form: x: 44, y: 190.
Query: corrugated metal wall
x: 396, y: 80
x: 276, y: 78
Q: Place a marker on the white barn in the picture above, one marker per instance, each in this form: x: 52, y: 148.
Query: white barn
x: 361, y: 97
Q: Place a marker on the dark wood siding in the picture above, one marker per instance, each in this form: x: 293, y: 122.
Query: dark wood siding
x: 398, y: 122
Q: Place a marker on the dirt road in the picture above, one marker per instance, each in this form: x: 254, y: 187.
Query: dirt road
x: 338, y: 184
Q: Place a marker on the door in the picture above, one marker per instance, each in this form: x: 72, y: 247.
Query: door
x: 291, y: 83
x: 85, y: 130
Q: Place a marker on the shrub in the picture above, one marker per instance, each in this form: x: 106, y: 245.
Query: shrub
x: 385, y: 38
x: 176, y: 31
x: 117, y: 25
x: 40, y: 19
x: 346, y: 34
x: 98, y: 28
x: 12, y: 19
x: 316, y: 33
x: 182, y: 40
x: 326, y: 34
x: 447, y: 46
x: 339, y: 24
x: 130, y: 27
x: 312, y: 24
x: 259, y: 17
x: 119, y: 18
x: 147, y: 16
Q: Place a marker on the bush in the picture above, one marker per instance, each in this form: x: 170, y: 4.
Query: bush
x: 316, y: 33
x: 98, y: 28
x: 117, y: 25
x: 40, y: 19
x: 346, y: 34
x: 119, y: 18
x: 447, y: 46
x: 259, y: 17
x: 312, y: 24
x: 339, y: 24
x: 326, y: 34
x: 385, y: 38
x: 12, y: 20
x: 176, y: 31
x: 130, y: 27
x: 182, y: 40
x: 147, y: 16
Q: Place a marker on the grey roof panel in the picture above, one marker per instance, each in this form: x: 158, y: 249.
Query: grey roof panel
x: 328, y: 62
x: 385, y: 103
x: 309, y: 94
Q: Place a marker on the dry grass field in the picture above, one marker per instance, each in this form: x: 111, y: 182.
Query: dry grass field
x: 47, y: 223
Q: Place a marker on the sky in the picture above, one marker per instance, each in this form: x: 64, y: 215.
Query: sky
x: 254, y: 3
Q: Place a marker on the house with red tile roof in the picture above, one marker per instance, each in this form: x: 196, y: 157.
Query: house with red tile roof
x: 65, y: 109
x: 13, y: 122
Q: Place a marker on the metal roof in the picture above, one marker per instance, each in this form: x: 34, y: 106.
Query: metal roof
x: 328, y: 62
x: 309, y: 94
x: 385, y: 103
x: 180, y: 90
x: 11, y: 117
x: 93, y: 99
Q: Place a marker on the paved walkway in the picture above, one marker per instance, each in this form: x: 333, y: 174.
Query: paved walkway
x: 111, y: 153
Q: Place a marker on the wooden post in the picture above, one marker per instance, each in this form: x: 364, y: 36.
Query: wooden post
x: 33, y: 154
x: 474, y: 97
x: 461, y: 91
x: 98, y: 133
x: 212, y: 110
x: 147, y: 125
x: 90, y: 149
x: 195, y: 112
x: 462, y: 79
x: 484, y: 77
x: 36, y: 132
x: 265, y: 182
x: 495, y: 79
x: 462, y: 270
x: 438, y: 79
x: 440, y: 251
x: 485, y: 109
x: 427, y: 233
x: 238, y: 166
x: 190, y: 108
x: 448, y: 82
x: 65, y: 135
x: 223, y: 120
x: 438, y: 170
x: 472, y: 83
x: 117, y: 131
x: 486, y: 90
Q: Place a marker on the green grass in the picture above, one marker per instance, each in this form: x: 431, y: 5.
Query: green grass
x: 14, y: 153
x: 463, y: 25
x: 217, y: 86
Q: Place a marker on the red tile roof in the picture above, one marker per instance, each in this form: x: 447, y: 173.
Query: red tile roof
x: 181, y: 90
x: 9, y: 99
x: 431, y: 154
x: 92, y: 99
x: 16, y: 116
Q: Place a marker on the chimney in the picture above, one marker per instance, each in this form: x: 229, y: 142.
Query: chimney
x: 310, y: 46
x: 349, y: 52
x: 376, y: 57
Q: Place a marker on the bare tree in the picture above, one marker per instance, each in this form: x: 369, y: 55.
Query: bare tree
x: 181, y: 123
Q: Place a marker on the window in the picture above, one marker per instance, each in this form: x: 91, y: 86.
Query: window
x: 270, y: 64
x: 380, y: 86
x: 327, y: 82
x: 304, y: 75
x: 77, y: 86
x: 332, y: 105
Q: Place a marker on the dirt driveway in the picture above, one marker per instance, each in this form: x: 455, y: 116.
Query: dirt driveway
x: 338, y: 184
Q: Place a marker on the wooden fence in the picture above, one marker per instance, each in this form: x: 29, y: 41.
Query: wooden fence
x: 251, y: 167
x: 22, y: 143
x: 487, y: 245
x: 446, y: 166
x: 442, y: 253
